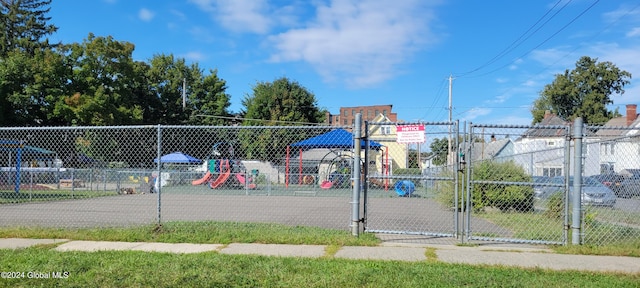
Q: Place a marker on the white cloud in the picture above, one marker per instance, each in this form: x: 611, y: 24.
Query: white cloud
x: 634, y: 32
x: 359, y: 42
x: 194, y: 56
x: 145, y: 15
x: 239, y: 15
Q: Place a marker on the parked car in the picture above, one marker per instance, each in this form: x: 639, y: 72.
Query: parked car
x: 613, y: 181
x: 629, y: 187
x: 540, y: 186
x: 594, y: 193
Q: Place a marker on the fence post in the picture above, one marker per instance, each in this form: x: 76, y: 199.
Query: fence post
x: 355, y: 201
x: 577, y: 183
x: 159, y: 176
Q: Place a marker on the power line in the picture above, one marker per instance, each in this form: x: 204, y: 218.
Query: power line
x: 511, y: 46
x: 541, y: 43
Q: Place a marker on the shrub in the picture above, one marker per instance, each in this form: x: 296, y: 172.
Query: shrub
x: 555, y: 206
x: 502, y: 196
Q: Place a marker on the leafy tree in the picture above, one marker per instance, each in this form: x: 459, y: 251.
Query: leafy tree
x: 30, y: 85
x: 439, y: 149
x: 281, y: 102
x: 99, y: 90
x: 205, y: 95
x: 582, y: 92
x: 24, y: 25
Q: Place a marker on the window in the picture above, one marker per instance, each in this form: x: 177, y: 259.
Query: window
x: 377, y: 113
x: 344, y: 112
x: 551, y: 143
x: 353, y: 112
x: 385, y: 130
x: 608, y: 148
x: 369, y: 114
x: 384, y: 112
x: 344, y: 122
x: 361, y: 113
x: 551, y: 171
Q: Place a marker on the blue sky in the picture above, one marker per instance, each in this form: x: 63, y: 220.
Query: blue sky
x: 372, y: 52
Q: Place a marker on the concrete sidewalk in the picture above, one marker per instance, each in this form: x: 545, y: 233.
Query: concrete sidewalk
x: 480, y: 255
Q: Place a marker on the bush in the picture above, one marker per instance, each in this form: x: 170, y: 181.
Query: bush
x: 555, y: 206
x: 502, y: 196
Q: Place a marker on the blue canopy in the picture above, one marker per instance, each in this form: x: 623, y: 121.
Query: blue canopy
x: 178, y: 157
x: 334, y: 139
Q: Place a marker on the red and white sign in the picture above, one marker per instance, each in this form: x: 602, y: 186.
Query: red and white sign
x: 411, y: 133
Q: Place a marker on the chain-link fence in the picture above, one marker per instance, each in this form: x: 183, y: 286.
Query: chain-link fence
x: 111, y: 176
x: 523, y: 178
x: 498, y: 183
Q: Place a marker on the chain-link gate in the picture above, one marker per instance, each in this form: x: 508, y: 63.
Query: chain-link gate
x: 516, y: 184
x: 407, y: 191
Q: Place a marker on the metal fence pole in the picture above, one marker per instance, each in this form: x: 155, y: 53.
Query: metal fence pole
x: 577, y: 183
x: 355, y: 202
x: 567, y: 168
x: 159, y: 177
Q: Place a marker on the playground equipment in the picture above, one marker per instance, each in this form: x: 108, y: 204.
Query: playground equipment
x: 202, y: 180
x: 224, y: 168
x: 404, y: 188
x: 224, y: 175
x: 242, y: 180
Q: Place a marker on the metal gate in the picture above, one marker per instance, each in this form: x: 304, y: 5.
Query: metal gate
x: 516, y: 183
x: 407, y: 191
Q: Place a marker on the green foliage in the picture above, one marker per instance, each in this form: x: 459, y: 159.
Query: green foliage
x: 501, y: 196
x: 407, y: 171
x: 439, y: 148
x: 281, y: 102
x: 555, y: 206
x: 582, y: 92
x: 24, y: 26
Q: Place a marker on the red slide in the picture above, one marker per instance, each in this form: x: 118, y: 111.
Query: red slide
x: 326, y: 184
x: 223, y: 176
x: 242, y: 181
x: 202, y: 180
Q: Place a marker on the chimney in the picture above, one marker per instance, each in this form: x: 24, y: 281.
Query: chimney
x: 547, y: 113
x: 632, y: 113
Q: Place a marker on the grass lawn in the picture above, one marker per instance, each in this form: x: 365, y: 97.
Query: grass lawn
x: 144, y: 269
x: 211, y: 269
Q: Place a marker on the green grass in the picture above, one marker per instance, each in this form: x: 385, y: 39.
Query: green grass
x: 144, y: 269
x: 201, y: 232
x: 626, y: 244
x: 11, y: 197
x: 212, y: 269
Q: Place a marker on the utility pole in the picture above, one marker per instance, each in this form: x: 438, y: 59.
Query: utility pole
x: 184, y: 93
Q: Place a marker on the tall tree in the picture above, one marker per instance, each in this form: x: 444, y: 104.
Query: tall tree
x: 582, y: 92
x: 25, y: 25
x: 278, y: 103
x: 171, y: 79
x: 30, y: 86
x: 100, y: 89
x: 281, y: 102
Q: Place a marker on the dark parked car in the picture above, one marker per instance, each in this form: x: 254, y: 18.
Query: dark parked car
x: 629, y: 187
x: 613, y: 181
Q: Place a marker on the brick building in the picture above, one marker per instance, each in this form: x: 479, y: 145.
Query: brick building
x: 347, y: 115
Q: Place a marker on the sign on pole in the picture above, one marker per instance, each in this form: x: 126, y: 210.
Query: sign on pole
x: 413, y: 133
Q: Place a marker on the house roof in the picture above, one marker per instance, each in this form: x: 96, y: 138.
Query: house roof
x: 488, y: 150
x: 619, y: 122
x: 547, y: 128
